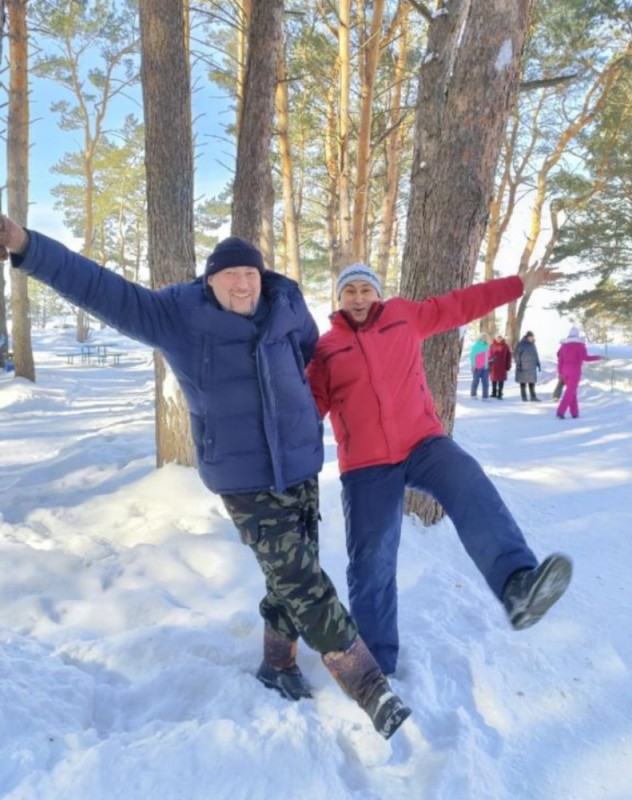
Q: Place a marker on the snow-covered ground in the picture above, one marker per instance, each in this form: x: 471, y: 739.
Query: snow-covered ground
x: 129, y: 629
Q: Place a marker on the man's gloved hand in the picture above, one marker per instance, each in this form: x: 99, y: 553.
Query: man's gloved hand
x: 13, y: 238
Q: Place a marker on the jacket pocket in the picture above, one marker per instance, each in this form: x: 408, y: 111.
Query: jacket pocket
x: 340, y: 350
x: 250, y: 531
x: 208, y: 449
x: 207, y: 363
x: 396, y: 324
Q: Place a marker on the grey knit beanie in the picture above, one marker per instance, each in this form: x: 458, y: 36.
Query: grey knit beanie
x: 358, y: 272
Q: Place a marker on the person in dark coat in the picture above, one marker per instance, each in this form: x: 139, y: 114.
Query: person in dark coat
x: 238, y: 340
x: 527, y: 366
x: 499, y: 364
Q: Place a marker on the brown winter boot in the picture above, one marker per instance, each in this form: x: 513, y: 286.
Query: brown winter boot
x: 279, y: 669
x: 360, y: 677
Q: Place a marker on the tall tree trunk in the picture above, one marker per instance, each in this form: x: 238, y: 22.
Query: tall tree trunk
x: 251, y: 187
x: 370, y: 56
x: 467, y: 85
x: 244, y: 12
x: 4, y: 329
x: 267, y: 219
x: 169, y: 164
x: 344, y: 167
x: 290, y: 219
x: 332, y: 216
x: 18, y: 179
x: 83, y: 319
x: 392, y: 172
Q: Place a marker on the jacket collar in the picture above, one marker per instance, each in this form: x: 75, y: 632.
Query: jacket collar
x: 342, y: 318
x: 277, y: 290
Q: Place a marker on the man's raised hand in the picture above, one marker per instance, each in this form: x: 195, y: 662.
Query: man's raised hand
x: 13, y: 238
x: 537, y: 276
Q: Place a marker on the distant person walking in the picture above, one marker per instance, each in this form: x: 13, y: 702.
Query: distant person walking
x: 499, y: 364
x: 559, y: 386
x: 527, y: 366
x: 570, y: 358
x: 479, y: 362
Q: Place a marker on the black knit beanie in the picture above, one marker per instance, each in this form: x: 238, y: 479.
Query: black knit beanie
x: 233, y: 252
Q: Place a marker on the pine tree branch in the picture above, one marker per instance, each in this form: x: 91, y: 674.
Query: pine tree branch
x: 422, y: 9
x: 545, y: 83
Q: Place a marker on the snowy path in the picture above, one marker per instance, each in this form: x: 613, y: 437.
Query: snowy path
x: 129, y: 628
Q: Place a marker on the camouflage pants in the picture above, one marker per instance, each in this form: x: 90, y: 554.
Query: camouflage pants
x: 281, y: 529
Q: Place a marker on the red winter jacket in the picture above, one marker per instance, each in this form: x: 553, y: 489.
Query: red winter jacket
x: 500, y: 358
x: 570, y: 357
x: 372, y: 378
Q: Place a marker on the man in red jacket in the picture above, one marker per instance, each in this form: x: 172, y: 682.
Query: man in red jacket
x: 368, y: 373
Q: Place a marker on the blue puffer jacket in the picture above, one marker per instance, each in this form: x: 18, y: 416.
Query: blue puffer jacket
x: 253, y: 418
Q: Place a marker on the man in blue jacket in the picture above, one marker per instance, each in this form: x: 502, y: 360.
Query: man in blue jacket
x: 238, y: 340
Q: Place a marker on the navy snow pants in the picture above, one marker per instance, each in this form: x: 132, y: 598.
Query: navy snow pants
x: 373, y: 503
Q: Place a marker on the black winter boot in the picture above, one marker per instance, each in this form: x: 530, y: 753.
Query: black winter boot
x: 360, y: 677
x: 529, y: 593
x: 279, y: 670
x: 523, y: 391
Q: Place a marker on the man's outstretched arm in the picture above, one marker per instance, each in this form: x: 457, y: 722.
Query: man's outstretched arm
x: 147, y: 315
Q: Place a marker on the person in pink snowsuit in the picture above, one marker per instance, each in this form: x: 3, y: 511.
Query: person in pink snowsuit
x: 570, y: 358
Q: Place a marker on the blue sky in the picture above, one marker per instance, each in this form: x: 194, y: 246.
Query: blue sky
x: 211, y: 113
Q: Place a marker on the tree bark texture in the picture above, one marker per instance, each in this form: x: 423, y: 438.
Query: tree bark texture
x: 332, y: 217
x: 344, y: 155
x: 244, y: 12
x: 18, y: 179
x: 369, y: 56
x: 169, y: 167
x: 4, y: 328
x: 267, y: 220
x: 250, y: 191
x: 467, y: 86
x: 393, y: 147
x: 290, y: 218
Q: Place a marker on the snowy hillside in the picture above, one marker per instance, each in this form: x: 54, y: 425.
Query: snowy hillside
x: 129, y: 629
